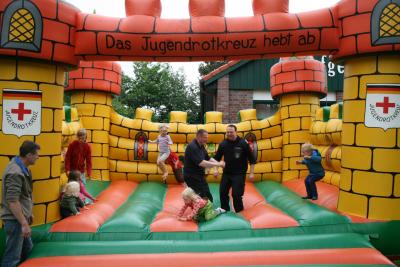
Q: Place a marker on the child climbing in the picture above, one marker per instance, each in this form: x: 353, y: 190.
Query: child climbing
x: 202, y: 209
x: 177, y: 166
x: 312, y: 159
x: 164, y: 141
x: 70, y: 200
x: 83, y: 193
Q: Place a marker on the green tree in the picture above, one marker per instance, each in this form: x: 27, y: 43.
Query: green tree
x: 158, y: 87
x: 208, y: 66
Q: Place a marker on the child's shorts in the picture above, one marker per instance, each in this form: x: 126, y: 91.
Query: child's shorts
x: 163, y: 156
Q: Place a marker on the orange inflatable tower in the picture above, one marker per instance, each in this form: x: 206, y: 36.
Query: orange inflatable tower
x: 370, y: 43
x: 298, y: 83
x: 92, y: 87
x: 37, y: 48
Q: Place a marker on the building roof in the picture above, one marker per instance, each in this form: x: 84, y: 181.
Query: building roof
x: 222, y: 71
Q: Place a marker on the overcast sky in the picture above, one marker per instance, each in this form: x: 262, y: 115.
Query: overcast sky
x: 179, y: 9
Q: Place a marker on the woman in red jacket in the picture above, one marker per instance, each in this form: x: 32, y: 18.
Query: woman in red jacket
x: 79, y: 156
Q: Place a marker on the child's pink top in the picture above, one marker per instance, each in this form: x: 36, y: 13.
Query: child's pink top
x: 195, y: 205
x: 83, y: 193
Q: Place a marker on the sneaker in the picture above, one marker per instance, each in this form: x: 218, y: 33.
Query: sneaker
x: 314, y: 198
x: 220, y: 210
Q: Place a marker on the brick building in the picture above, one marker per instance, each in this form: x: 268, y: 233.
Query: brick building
x: 244, y: 84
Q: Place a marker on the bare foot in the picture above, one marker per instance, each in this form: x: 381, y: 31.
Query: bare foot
x: 164, y: 177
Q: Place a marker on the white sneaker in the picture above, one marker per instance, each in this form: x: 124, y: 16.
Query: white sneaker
x: 220, y: 210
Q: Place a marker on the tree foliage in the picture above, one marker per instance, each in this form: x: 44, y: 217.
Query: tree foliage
x: 158, y: 87
x: 208, y: 66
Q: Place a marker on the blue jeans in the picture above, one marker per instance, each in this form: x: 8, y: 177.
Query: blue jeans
x: 17, y: 247
x: 310, y: 185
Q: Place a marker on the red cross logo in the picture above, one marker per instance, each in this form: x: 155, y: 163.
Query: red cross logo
x: 21, y: 111
x: 385, y: 105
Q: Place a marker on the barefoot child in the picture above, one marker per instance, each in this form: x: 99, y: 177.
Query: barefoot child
x: 202, y: 209
x: 312, y: 159
x: 163, y: 141
x: 70, y: 200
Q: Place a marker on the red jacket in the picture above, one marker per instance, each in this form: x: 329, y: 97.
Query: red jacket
x: 76, y: 156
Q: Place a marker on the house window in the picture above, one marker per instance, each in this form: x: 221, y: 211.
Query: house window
x: 385, y: 22
x: 265, y: 108
x: 22, y: 26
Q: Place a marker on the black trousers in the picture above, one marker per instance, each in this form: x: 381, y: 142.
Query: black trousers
x: 236, y: 182
x: 199, y: 185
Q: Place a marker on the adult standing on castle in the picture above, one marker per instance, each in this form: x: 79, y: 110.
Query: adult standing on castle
x: 16, y: 204
x: 196, y: 160
x: 79, y: 156
x: 236, y: 152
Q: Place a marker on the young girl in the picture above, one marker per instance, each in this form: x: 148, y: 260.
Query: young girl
x: 202, y: 209
x: 312, y: 159
x: 76, y: 177
x: 163, y: 141
x: 79, y: 155
x: 70, y: 200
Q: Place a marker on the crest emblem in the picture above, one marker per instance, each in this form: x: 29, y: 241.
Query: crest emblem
x: 382, y: 108
x: 22, y: 112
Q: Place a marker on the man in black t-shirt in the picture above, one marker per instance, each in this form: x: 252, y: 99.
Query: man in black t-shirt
x: 196, y: 160
x: 236, y: 152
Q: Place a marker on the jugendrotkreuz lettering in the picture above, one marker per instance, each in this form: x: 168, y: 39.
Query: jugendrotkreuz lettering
x: 390, y: 118
x: 21, y: 125
x: 215, y: 43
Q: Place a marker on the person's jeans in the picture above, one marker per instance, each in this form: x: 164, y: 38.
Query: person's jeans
x: 17, y: 247
x: 311, y: 186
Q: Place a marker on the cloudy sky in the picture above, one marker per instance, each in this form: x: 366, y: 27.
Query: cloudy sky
x: 179, y: 9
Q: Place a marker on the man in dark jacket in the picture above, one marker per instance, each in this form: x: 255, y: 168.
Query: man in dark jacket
x: 17, y: 204
x: 236, y: 152
x: 196, y: 160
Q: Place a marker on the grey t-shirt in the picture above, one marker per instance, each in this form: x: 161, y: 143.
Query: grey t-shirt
x: 163, y: 143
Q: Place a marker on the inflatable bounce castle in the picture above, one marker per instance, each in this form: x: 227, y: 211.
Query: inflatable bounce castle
x: 354, y: 222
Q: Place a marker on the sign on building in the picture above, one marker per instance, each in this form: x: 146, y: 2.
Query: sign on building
x: 22, y: 112
x: 382, y: 108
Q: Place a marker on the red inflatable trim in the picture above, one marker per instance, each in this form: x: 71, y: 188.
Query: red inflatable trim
x: 98, y: 76
x: 298, y: 75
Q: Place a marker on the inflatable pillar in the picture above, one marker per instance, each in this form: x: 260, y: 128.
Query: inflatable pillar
x: 370, y: 174
x: 92, y: 87
x: 298, y: 83
x: 47, y: 80
x: 32, y: 78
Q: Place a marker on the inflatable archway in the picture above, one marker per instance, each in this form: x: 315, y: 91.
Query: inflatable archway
x: 42, y: 39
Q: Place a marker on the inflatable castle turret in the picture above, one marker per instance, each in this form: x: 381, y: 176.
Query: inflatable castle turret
x: 298, y: 83
x: 370, y: 180
x: 37, y: 49
x: 92, y: 87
